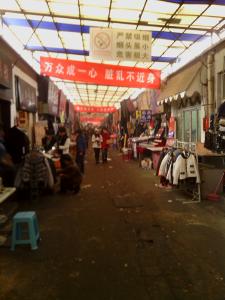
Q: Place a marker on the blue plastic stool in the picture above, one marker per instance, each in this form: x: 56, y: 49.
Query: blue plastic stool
x: 28, y: 218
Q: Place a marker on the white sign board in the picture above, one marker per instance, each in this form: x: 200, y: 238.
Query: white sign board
x: 120, y: 44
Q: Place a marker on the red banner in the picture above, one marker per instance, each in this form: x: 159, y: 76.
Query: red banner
x: 100, y: 73
x: 95, y: 109
x: 96, y: 120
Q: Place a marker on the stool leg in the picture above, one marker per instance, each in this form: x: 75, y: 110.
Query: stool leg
x: 18, y: 231
x: 13, y: 241
x: 36, y: 228
x: 33, y: 238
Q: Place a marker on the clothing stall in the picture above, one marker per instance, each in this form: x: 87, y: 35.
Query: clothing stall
x: 178, y: 168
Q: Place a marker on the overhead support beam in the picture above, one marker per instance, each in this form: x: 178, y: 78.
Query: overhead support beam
x: 147, y: 24
x: 86, y: 53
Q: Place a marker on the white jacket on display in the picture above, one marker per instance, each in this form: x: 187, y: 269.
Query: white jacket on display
x: 185, y: 167
x: 169, y: 175
x: 163, y: 169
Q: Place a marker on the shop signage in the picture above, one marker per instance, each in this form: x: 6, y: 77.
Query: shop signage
x: 53, y: 99
x: 172, y: 128
x: 5, y: 73
x: 146, y: 115
x: 95, y: 109
x: 120, y: 44
x: 62, y: 107
x: 71, y: 112
x: 96, y: 120
x: 26, y: 96
x: 100, y: 73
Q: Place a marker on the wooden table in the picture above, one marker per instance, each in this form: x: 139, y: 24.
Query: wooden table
x: 155, y: 153
x: 6, y: 193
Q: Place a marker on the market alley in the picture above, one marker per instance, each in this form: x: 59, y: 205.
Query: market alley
x: 120, y: 238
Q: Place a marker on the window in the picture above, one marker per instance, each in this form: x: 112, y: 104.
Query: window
x: 189, y: 125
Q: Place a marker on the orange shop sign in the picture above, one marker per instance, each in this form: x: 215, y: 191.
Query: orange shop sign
x: 103, y: 74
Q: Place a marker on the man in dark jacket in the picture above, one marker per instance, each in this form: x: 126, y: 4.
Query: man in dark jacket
x: 48, y: 141
x: 17, y: 144
x: 81, y: 149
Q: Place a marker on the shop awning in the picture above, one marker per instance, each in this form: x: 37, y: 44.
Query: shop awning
x: 178, y: 86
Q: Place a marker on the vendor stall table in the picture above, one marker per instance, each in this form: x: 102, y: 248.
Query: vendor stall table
x: 155, y: 153
x: 6, y: 193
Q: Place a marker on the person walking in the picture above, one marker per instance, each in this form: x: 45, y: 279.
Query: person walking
x: 105, y: 144
x: 96, y: 144
x: 80, y: 149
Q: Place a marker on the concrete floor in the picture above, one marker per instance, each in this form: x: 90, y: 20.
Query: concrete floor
x: 119, y: 238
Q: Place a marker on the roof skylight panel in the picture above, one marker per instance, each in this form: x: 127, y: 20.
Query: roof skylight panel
x: 206, y: 22
x: 22, y: 33
x: 123, y: 26
x: 160, y: 7
x: 37, y: 6
x: 159, y: 65
x: 192, y: 9
x: 72, y: 40
x: 33, y: 41
x: 95, y: 23
x: 158, y: 50
x: 127, y: 4
x: 64, y: 9
x: 104, y: 3
x: 184, y: 20
x: 124, y: 15
x: 94, y: 12
x: 9, y: 5
x: 216, y: 11
x: 162, y: 42
x: 49, y: 38
x: 173, y: 52
x: 76, y: 57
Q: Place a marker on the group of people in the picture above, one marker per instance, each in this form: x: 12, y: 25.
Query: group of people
x: 72, y: 169
x: 15, y: 145
x: 100, y: 142
x: 61, y: 143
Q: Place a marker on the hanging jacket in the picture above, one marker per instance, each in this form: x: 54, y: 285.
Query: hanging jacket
x: 34, y: 169
x: 165, y: 164
x: 185, y: 167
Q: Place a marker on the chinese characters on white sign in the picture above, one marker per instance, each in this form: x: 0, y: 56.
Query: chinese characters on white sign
x: 120, y: 44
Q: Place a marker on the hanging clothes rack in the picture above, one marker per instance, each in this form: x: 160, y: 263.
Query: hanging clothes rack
x: 192, y: 148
